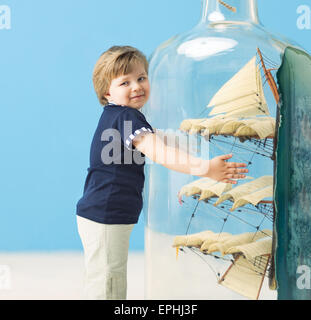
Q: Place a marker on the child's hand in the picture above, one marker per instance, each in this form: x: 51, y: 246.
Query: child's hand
x: 223, y: 171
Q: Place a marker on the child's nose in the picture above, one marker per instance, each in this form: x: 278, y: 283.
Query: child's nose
x: 136, y: 86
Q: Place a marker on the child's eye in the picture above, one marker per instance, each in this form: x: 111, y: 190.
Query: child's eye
x: 141, y: 78
x: 125, y: 83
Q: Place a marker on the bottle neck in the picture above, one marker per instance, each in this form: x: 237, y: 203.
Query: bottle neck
x: 230, y: 11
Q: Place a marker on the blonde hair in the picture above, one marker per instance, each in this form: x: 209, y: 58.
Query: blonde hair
x: 115, y: 62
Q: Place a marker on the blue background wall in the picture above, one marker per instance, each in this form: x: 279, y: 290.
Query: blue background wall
x: 48, y: 109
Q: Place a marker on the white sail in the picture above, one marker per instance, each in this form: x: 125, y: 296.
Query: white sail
x: 248, y: 193
x: 253, y: 198
x: 254, y: 249
x: 238, y: 239
x: 243, y: 92
x: 216, y: 237
x: 258, y: 127
x: 230, y: 127
x: 213, y: 126
x: 247, y: 243
x: 192, y: 240
x: 205, y: 187
x: 244, y: 277
x: 246, y: 189
x: 191, y: 125
x: 200, y: 240
x: 263, y: 129
x: 215, y: 190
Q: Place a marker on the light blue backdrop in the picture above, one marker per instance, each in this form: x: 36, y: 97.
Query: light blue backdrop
x: 49, y: 109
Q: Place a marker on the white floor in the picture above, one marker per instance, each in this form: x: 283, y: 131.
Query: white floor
x: 56, y: 276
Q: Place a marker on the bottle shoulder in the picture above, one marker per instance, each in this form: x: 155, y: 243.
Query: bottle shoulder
x: 207, y: 41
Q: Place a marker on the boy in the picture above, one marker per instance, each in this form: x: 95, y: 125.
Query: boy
x: 112, y: 198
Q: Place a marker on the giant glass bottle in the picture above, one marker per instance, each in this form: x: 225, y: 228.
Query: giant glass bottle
x: 214, y: 92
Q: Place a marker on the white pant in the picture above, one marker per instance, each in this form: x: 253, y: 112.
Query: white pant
x: 105, y: 256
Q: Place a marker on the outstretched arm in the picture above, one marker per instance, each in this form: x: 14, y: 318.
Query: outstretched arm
x: 152, y: 146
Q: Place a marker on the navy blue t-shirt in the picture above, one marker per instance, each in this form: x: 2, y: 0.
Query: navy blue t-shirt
x: 115, y: 180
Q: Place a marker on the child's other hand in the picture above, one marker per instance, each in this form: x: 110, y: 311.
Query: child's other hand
x: 223, y: 171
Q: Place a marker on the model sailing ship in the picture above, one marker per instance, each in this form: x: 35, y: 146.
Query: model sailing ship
x: 239, y: 110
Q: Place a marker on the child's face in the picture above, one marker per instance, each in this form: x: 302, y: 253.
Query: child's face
x: 130, y: 90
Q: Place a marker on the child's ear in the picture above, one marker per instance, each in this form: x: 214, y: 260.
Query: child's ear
x: 107, y: 95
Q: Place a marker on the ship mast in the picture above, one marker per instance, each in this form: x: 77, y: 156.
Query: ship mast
x: 269, y: 78
x: 273, y: 86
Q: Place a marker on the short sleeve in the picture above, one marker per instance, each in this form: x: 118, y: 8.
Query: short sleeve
x: 132, y: 123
